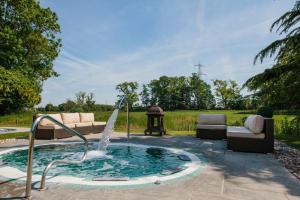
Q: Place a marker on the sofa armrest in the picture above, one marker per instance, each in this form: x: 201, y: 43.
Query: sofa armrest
x: 269, y: 130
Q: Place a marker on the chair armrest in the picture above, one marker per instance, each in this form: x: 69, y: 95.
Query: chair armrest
x: 269, y: 128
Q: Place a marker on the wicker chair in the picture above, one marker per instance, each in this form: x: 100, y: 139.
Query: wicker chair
x: 211, y: 126
x: 245, y: 140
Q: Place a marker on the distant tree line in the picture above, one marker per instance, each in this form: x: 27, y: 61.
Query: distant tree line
x: 181, y: 92
x: 84, y: 102
x: 171, y: 93
x: 186, y: 93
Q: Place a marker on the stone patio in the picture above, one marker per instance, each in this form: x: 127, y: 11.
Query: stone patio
x: 229, y: 175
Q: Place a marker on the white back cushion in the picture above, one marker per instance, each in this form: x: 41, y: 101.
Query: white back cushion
x: 46, y: 122
x: 86, y: 117
x: 255, y: 123
x: 212, y: 119
x: 70, y: 118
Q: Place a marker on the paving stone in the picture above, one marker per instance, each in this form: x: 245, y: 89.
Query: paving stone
x: 293, y: 197
x: 264, y: 184
x: 252, y: 195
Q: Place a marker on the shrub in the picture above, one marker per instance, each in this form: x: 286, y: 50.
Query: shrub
x: 49, y: 107
x: 290, y: 127
x: 77, y: 109
x: 265, y: 111
x: 239, y: 122
x: 67, y: 106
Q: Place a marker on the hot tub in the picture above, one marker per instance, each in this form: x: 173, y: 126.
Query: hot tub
x: 123, y: 164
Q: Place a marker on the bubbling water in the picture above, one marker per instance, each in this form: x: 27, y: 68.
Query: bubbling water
x: 91, y: 155
x: 97, y: 154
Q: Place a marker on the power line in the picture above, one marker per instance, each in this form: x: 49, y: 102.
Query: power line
x: 199, y: 70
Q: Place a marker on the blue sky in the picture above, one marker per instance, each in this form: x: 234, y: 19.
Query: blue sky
x: 106, y: 42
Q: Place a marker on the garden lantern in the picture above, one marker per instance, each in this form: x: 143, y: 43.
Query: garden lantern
x: 155, y: 122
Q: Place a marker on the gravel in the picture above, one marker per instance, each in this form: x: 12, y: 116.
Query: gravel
x: 289, y: 156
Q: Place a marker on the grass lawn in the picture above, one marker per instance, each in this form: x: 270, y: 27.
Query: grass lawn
x: 291, y: 140
x: 13, y: 135
x: 176, y: 122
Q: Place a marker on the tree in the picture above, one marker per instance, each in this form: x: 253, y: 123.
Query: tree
x: 228, y: 94
x: 279, y: 86
x: 145, y: 96
x: 17, y: 91
x: 67, y: 106
x: 28, y: 38
x: 90, y: 102
x: 201, y: 95
x: 129, y: 90
x: 170, y: 92
x: 80, y: 98
x: 180, y: 93
x: 160, y: 92
x: 49, y: 107
x: 29, y: 43
x: 61, y: 107
x: 85, y: 101
x: 251, y: 102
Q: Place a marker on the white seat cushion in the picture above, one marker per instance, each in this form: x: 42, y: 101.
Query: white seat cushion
x: 255, y: 123
x: 242, y: 132
x: 99, y: 123
x: 70, y: 118
x: 212, y: 119
x: 46, y: 122
x: 86, y: 117
x: 84, y: 124
x: 211, y: 127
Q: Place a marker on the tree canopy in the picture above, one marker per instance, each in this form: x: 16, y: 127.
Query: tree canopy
x: 279, y: 85
x: 28, y: 38
x: 180, y: 92
x: 202, y: 97
x: 29, y: 43
x: 129, y: 90
x: 228, y: 94
x: 17, y: 91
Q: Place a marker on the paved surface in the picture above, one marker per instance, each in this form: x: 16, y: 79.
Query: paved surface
x: 14, y: 130
x: 229, y: 175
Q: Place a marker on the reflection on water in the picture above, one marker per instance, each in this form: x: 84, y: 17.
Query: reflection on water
x: 156, y: 152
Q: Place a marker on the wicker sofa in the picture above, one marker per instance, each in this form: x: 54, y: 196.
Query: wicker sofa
x: 82, y: 122
x: 257, y: 135
x: 211, y: 126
